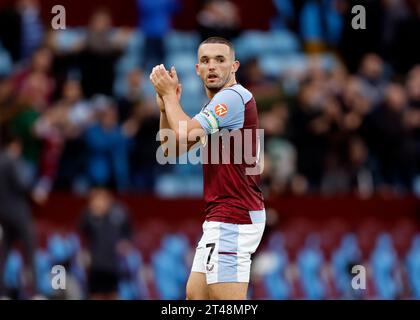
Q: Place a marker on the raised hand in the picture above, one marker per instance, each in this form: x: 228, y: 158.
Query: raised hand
x: 165, y: 83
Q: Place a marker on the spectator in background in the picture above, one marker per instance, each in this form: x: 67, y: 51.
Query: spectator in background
x: 219, y: 18
x: 34, y: 82
x: 142, y: 127
x: 60, y: 129
x: 266, y: 90
x: 412, y: 116
x: 7, y: 100
x: 389, y: 140
x: 132, y: 94
x: 100, y: 51
x: 360, y: 168
x: 21, y: 29
x: 309, y: 130
x: 356, y: 43
x: 31, y: 95
x: 107, y: 147
x: 413, y: 87
x: 373, y: 78
x: 11, y: 31
x: 15, y: 213
x: 155, y: 22
x: 106, y: 228
x: 405, y: 52
x: 280, y: 154
x: 32, y: 28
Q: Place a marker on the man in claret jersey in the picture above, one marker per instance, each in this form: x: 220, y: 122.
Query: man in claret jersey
x: 235, y: 214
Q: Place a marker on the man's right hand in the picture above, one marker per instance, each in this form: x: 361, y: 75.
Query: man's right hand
x: 159, y: 100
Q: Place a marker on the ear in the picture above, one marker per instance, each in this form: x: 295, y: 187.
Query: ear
x: 196, y: 69
x: 235, y: 66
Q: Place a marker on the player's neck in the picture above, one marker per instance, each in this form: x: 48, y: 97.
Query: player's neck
x: 212, y: 93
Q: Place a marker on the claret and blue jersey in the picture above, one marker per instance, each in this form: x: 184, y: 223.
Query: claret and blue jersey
x: 230, y: 194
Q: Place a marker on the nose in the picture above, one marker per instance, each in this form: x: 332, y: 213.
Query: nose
x: 211, y: 65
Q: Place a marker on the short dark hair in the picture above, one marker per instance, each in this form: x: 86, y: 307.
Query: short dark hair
x: 219, y: 40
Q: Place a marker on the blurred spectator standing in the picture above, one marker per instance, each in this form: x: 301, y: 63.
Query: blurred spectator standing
x: 404, y: 52
x: 21, y: 29
x: 219, y: 18
x: 101, y: 48
x: 61, y: 129
x: 32, y: 27
x: 107, y: 147
x: 15, y: 212
x: 155, y: 23
x: 106, y: 228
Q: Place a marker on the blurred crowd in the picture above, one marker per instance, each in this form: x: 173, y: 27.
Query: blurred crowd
x: 340, y: 108
x: 86, y: 121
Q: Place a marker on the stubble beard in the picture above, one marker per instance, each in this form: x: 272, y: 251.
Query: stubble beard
x: 216, y: 87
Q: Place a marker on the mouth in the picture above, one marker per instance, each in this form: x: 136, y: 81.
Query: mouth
x: 212, y: 77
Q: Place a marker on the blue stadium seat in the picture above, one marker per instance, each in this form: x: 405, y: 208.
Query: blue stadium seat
x: 251, y: 44
x: 183, y: 62
x: 413, y: 266
x: 277, y: 65
x: 310, y: 261
x: 13, y: 271
x: 282, y: 42
x: 275, y: 282
x: 6, y: 63
x: 131, y: 285
x: 135, y: 43
x: 178, y: 185
x: 384, y: 263
x: 181, y: 42
x: 170, y: 268
x: 126, y: 63
x: 67, y: 39
x: 43, y: 266
x: 343, y: 257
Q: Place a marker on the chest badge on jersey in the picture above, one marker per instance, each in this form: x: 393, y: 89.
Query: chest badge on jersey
x: 221, y: 110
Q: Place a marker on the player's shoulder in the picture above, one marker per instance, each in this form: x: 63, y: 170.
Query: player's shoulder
x: 236, y: 91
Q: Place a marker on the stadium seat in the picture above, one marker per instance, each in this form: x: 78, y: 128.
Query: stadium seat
x: 413, y: 266
x: 135, y: 43
x: 13, y: 272
x: 170, y: 267
x: 384, y: 264
x: 65, y: 40
x: 275, y: 65
x: 183, y: 62
x: 310, y: 261
x: 181, y: 42
x: 5, y: 62
x: 282, y: 42
x: 250, y: 44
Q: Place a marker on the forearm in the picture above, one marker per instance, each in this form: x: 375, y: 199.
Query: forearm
x: 171, y: 119
x: 164, y: 124
x: 163, y: 127
x: 175, y: 115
